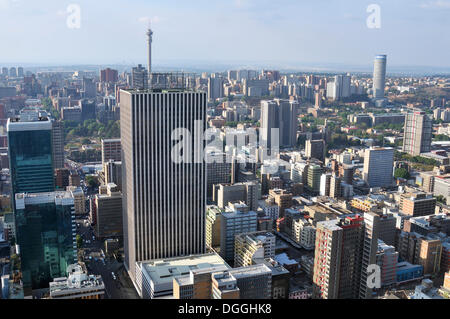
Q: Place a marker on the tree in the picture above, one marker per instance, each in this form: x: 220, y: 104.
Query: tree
x: 441, y: 199
x: 92, y: 181
x: 401, y: 173
x: 79, y: 241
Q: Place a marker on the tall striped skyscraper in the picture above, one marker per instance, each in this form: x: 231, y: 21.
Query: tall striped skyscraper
x: 164, y: 202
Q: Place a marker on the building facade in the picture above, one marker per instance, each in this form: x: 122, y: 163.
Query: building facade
x: 164, y: 201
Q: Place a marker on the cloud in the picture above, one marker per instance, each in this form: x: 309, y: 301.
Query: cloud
x: 150, y: 20
x: 438, y: 4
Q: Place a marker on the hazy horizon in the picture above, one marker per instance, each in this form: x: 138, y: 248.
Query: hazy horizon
x: 328, y: 35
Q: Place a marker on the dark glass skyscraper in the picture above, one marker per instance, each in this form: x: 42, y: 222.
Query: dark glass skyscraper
x: 45, y: 233
x: 30, y: 153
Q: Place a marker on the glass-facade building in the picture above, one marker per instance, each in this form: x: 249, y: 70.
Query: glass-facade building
x: 45, y: 225
x: 30, y: 152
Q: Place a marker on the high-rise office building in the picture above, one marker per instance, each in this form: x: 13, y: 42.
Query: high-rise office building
x: 249, y: 193
x: 369, y: 257
x: 213, y: 226
x: 215, y: 88
x: 325, y: 181
x: 378, y: 166
x: 379, y: 76
x: 340, y: 88
x: 139, y: 78
x: 315, y: 149
x: 111, y: 150
x: 109, y: 75
x: 79, y: 200
x: 112, y: 172
x: 338, y: 258
x: 62, y: 178
x: 88, y: 109
x: 281, y: 115
x: 387, y: 259
x: 58, y: 144
x: 13, y: 72
x: 164, y: 201
x: 335, y: 187
x: 89, y: 88
x: 20, y: 71
x: 232, y: 224
x: 45, y: 235
x: 30, y: 153
x: 418, y: 133
x: 108, y: 209
x: 313, y: 179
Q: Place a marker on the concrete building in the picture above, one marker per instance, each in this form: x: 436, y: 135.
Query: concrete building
x: 417, y: 204
x: 379, y: 76
x: 58, y: 144
x: 73, y: 114
x: 112, y: 172
x: 77, y: 285
x: 254, y: 282
x: 224, y: 286
x: 282, y: 198
x: 62, y: 178
x: 150, y: 193
x: 139, y: 78
x: 371, y: 235
x: 429, y: 255
x: 378, y: 166
x: 79, y: 199
x: 304, y: 233
x: 338, y: 258
x: 218, y: 173
x: 215, y: 88
x: 250, y: 247
x: 155, y: 278
x: 248, y: 192
x: 313, y: 179
x: 315, y: 149
x: 232, y: 224
x: 387, y: 259
x: 213, y: 214
x: 197, y: 285
x: 325, y: 180
x: 279, y: 115
x: 111, y: 150
x: 109, y: 213
x: 418, y: 133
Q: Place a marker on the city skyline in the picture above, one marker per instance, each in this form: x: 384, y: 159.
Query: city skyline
x: 233, y: 32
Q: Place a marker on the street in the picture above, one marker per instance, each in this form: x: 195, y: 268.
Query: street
x: 92, y: 253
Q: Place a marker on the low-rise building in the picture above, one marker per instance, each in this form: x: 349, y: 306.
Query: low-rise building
x: 78, y: 285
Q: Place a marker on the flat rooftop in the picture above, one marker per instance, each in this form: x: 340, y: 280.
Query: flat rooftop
x: 164, y: 270
x: 249, y: 271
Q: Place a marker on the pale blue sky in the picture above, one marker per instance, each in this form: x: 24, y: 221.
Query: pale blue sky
x: 281, y: 32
